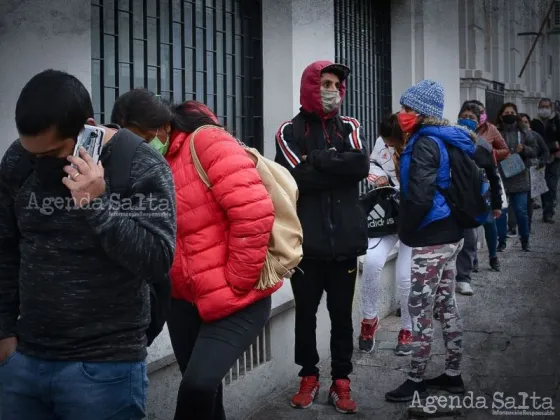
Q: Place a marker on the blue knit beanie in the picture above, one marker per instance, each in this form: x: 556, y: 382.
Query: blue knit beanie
x: 426, y: 98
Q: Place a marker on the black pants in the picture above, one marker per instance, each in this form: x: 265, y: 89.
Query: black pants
x: 548, y: 199
x: 338, y: 280
x: 467, y: 256
x: 206, y: 351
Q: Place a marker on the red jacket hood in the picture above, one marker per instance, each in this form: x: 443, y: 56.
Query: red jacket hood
x: 310, y: 90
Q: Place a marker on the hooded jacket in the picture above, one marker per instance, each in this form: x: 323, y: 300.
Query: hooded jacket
x: 424, y: 215
x: 223, y: 231
x: 326, y: 155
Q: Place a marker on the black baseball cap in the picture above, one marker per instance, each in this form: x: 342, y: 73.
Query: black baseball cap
x: 340, y: 70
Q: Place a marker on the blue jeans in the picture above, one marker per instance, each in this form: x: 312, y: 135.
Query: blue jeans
x: 518, y: 202
x: 491, y: 235
x: 35, y: 389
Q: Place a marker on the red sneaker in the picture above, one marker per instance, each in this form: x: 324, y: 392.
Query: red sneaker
x: 308, y: 392
x: 340, y: 397
x: 366, y: 342
x: 404, y: 343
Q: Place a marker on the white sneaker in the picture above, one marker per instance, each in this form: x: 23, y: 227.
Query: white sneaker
x: 464, y: 288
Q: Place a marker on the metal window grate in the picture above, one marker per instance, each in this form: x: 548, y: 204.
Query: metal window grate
x: 206, y: 50
x: 256, y: 355
x: 363, y: 42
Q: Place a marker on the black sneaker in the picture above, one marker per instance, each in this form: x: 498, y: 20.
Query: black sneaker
x: 548, y: 219
x: 494, y: 263
x: 502, y: 247
x: 407, y: 391
x: 512, y: 233
x: 525, y: 245
x: 451, y: 384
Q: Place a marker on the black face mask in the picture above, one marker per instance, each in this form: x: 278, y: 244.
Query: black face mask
x: 50, y: 170
x: 509, y: 119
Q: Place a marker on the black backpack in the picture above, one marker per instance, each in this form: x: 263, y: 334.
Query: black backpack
x: 468, y: 196
x: 122, y: 152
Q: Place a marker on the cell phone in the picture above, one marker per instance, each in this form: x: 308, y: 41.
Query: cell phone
x: 90, y: 138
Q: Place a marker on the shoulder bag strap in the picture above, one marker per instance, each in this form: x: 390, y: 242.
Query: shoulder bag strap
x: 197, y: 164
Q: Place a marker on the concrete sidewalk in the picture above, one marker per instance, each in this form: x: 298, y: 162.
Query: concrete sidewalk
x: 512, y: 343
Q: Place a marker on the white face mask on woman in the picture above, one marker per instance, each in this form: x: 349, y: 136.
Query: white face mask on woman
x: 330, y: 100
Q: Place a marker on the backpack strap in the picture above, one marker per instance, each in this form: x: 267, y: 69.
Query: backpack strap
x: 122, y: 153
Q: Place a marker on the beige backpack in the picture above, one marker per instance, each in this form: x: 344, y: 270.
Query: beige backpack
x: 285, y: 249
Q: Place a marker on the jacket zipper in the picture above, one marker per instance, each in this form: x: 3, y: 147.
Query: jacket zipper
x: 330, y: 208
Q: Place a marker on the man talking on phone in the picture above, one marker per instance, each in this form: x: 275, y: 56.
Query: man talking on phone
x: 75, y: 262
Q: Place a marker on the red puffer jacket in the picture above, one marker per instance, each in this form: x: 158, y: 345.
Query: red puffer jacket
x: 223, y: 232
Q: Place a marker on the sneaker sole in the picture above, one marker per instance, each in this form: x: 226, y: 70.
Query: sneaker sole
x: 422, y: 395
x: 305, y: 407
x: 331, y: 402
x: 403, y: 353
x: 465, y: 293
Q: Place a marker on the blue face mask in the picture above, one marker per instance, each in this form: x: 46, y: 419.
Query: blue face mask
x: 470, y: 124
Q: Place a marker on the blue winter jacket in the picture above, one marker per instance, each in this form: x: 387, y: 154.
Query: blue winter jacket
x: 423, y: 203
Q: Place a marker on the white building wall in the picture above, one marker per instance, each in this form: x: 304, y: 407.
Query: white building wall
x: 492, y: 51
x: 424, y: 45
x: 38, y: 35
x: 295, y: 34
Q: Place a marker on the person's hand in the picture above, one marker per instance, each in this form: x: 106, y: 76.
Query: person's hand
x: 382, y: 181
x: 519, y: 148
x: 304, y: 158
x: 497, y: 214
x: 86, y: 181
x: 556, y: 145
x: 7, y: 347
x: 372, y: 178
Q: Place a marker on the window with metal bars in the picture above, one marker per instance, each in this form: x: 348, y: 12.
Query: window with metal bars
x: 206, y: 50
x: 363, y: 43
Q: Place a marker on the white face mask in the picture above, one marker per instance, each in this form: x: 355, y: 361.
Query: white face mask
x: 330, y: 100
x: 545, y: 112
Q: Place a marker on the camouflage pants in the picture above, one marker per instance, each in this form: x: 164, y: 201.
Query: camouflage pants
x: 433, y: 288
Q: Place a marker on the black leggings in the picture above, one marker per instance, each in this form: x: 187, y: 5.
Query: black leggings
x: 206, y: 351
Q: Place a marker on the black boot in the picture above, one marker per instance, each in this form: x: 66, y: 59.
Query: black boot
x: 406, y: 392
x: 525, y: 245
x: 495, y: 263
x: 452, y: 384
